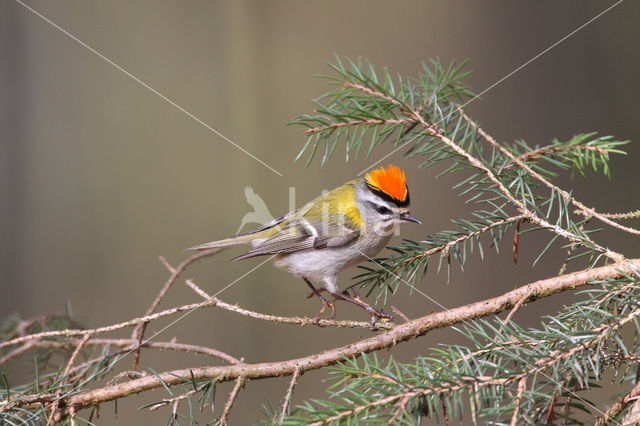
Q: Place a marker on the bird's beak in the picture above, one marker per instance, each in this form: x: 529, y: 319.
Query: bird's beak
x: 407, y: 216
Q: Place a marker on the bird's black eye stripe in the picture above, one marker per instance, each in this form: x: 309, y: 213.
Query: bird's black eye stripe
x: 382, y: 210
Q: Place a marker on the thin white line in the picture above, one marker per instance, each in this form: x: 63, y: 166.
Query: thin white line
x: 151, y: 89
x: 501, y: 80
x: 505, y: 347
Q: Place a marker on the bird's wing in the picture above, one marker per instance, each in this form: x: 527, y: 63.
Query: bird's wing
x: 300, y: 234
x: 272, y: 224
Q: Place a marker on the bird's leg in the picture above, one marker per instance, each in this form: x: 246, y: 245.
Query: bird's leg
x: 324, y: 300
x: 375, y: 313
x: 356, y: 294
x: 312, y: 293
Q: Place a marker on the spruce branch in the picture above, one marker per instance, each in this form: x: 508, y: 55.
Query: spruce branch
x: 303, y: 321
x: 72, y: 359
x: 436, y: 381
x: 212, y: 302
x: 240, y: 381
x: 629, y: 215
x: 286, y: 404
x: 550, y: 150
x: 138, y: 332
x: 520, y: 205
x: 505, y: 373
x: 126, y: 344
x: 411, y: 259
x: 399, y: 333
x: 619, y: 406
x: 522, y: 385
x: 588, y: 210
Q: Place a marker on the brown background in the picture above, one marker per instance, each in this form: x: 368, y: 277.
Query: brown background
x: 99, y: 176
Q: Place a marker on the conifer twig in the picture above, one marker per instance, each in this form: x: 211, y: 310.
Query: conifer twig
x: 72, y: 359
x: 357, y: 123
x: 385, y: 325
x: 629, y: 215
x: 303, y: 321
x: 537, y: 153
x: 587, y: 210
x: 522, y: 386
x: 619, y: 406
x: 232, y: 398
x: 126, y: 344
x: 105, y: 329
x: 399, y: 333
x: 522, y: 208
x: 138, y: 332
x: 287, y: 398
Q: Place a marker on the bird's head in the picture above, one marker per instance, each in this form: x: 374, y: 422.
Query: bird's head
x: 384, y: 198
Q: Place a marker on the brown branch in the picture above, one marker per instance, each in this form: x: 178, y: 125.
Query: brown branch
x: 285, y: 320
x: 29, y: 346
x: 619, y: 406
x: 399, y: 333
x: 513, y: 311
x: 138, y: 332
x: 629, y: 215
x: 303, y: 321
x: 130, y: 323
x: 445, y: 414
x: 540, y: 178
x: 632, y: 417
x: 400, y: 407
x: 522, y: 208
x: 21, y: 327
x: 537, y: 153
x: 287, y: 398
x: 127, y: 344
x: 445, y: 248
x: 357, y: 123
x: 399, y: 313
x: 475, y: 381
x: 571, y: 249
x: 356, y: 410
x: 72, y: 359
x: 232, y: 398
x: 368, y: 91
x: 522, y: 386
x: 173, y: 400
x: 566, y: 410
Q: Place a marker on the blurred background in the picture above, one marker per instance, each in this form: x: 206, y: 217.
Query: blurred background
x: 99, y: 175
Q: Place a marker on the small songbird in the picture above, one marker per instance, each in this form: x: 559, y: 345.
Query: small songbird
x: 338, y: 229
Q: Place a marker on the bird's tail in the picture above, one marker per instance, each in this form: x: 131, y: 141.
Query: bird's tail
x: 238, y: 240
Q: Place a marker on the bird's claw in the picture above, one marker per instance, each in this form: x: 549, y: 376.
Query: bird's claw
x: 326, y: 303
x: 377, y: 314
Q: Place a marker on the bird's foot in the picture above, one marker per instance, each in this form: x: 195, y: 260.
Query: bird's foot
x: 376, y: 314
x: 325, y: 304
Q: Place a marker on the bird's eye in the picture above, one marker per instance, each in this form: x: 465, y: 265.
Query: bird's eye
x: 383, y: 210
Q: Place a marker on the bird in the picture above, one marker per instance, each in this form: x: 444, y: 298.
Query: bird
x: 338, y: 229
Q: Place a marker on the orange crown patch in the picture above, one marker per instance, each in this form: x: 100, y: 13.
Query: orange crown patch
x: 390, y: 182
